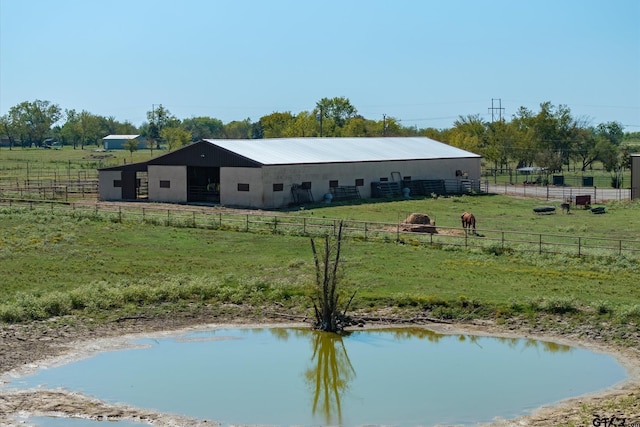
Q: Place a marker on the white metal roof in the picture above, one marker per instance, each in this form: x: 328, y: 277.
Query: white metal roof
x: 278, y: 151
x: 121, y: 137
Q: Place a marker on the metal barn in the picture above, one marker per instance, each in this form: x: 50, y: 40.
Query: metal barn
x: 275, y: 173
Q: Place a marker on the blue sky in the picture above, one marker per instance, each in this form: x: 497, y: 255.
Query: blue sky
x: 422, y: 62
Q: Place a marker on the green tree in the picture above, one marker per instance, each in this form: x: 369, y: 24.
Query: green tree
x: 71, y: 131
x: 585, y: 148
x: 239, y: 129
x: 609, y: 137
x: 203, y: 128
x: 131, y: 145
x: 469, y: 133
x: 33, y: 120
x: 303, y: 125
x: 6, y: 126
x: 277, y: 125
x: 334, y: 113
x: 159, y: 118
x: 175, y: 137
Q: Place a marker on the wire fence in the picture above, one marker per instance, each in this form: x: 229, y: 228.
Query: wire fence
x: 48, y: 189
x: 551, y: 192
x: 489, y: 241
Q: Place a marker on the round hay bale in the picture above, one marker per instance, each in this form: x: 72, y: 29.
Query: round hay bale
x: 418, y: 218
x: 419, y: 223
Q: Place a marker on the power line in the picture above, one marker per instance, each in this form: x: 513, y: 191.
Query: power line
x: 493, y: 109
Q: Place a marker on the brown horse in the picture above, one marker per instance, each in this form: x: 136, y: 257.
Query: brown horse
x: 468, y: 222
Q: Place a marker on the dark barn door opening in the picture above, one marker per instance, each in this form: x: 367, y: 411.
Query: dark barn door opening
x: 203, y: 184
x: 129, y: 185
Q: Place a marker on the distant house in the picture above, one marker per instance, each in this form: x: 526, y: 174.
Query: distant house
x: 118, y: 142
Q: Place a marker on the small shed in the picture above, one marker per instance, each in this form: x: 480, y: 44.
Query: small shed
x: 118, y: 142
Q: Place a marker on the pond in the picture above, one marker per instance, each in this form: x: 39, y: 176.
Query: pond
x: 295, y: 376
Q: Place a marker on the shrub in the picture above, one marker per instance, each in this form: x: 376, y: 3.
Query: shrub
x: 560, y: 305
x: 630, y: 313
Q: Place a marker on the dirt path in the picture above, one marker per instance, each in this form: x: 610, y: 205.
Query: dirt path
x: 25, y: 347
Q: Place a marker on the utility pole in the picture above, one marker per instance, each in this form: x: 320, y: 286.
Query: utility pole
x: 384, y: 125
x: 496, y: 111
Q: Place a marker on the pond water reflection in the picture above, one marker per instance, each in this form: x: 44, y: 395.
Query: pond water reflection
x: 289, y: 376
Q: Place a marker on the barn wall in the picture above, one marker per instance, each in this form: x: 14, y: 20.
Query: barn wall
x: 230, y: 195
x: 106, y: 190
x: 177, y: 177
x: 261, y: 180
x: 635, y: 176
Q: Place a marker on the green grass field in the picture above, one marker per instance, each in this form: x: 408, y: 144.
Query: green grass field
x: 56, y: 264
x: 38, y: 163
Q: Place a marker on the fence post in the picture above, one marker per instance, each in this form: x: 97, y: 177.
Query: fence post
x: 540, y: 244
x: 119, y: 213
x: 620, y: 247
x: 579, y: 246
x: 143, y: 218
x: 365, y: 231
x: 502, y: 240
x: 595, y: 192
x: 304, y: 226
x: 168, y: 216
x: 194, y: 218
x: 247, y: 223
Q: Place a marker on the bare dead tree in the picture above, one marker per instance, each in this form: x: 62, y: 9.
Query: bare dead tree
x: 326, y: 295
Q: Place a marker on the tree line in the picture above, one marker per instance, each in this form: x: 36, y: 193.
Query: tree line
x: 551, y: 137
